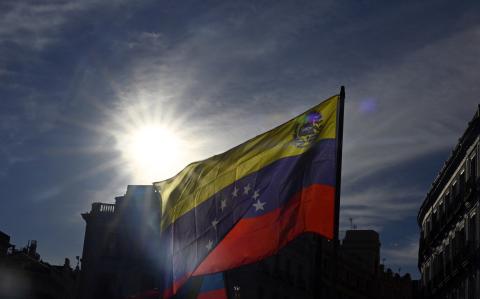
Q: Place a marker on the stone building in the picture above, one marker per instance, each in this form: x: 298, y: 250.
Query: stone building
x: 121, y: 254
x: 449, y: 254
x: 23, y: 275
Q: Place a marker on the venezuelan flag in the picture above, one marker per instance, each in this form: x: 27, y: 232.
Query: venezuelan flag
x: 210, y: 286
x: 243, y: 205
x: 213, y: 286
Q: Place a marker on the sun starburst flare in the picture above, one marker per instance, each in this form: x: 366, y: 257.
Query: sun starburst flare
x: 153, y: 151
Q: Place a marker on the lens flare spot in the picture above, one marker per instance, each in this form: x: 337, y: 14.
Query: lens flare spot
x: 368, y: 106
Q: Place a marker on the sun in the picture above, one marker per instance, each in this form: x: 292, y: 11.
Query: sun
x: 149, y: 140
x: 153, y: 151
x: 153, y: 145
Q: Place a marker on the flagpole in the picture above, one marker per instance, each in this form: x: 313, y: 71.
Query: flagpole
x: 324, y: 247
x: 339, y: 145
x: 338, y: 184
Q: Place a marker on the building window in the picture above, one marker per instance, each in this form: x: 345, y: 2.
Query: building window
x: 473, y: 167
x: 427, y: 275
x: 435, y: 220
x: 110, y: 245
x: 441, y: 212
x: 447, y: 259
x: 461, y: 185
x: 455, y: 190
x: 448, y: 202
x: 428, y: 225
x: 472, y: 231
x: 439, y: 266
x: 459, y: 244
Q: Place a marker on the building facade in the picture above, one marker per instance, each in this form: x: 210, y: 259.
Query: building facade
x: 314, y: 267
x: 23, y: 275
x: 448, y: 258
x: 121, y: 258
x: 121, y: 252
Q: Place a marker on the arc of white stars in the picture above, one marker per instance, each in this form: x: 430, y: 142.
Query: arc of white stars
x: 214, y: 223
x: 209, y: 246
x: 223, y: 204
x: 259, y: 205
x: 246, y: 189
x: 235, y: 192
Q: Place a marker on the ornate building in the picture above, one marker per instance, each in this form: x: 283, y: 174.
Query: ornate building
x: 449, y: 220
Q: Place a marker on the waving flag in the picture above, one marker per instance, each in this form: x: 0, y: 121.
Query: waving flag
x: 245, y: 204
x: 213, y: 287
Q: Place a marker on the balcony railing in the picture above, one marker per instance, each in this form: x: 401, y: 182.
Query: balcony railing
x: 456, y: 204
x: 103, y: 208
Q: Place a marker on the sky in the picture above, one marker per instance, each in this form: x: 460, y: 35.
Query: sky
x: 83, y: 83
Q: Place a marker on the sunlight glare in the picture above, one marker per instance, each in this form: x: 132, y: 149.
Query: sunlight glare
x: 153, y: 141
x: 153, y: 144
x: 152, y: 150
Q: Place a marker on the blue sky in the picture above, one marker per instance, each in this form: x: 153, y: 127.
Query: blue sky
x: 76, y: 79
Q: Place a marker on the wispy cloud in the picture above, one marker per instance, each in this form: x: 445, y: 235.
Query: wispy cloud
x: 396, y: 112
x: 418, y: 101
x: 418, y: 107
x: 230, y: 70
x: 20, y: 123
x: 377, y: 205
x: 27, y: 24
x: 35, y: 24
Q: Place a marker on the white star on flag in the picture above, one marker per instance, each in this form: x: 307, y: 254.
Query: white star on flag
x: 223, y: 204
x: 235, y: 192
x: 214, y: 223
x: 246, y: 189
x: 209, y: 246
x: 259, y: 205
x: 256, y: 194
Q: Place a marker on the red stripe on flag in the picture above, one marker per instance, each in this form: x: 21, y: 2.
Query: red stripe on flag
x: 169, y: 292
x: 252, y: 239
x: 216, y: 294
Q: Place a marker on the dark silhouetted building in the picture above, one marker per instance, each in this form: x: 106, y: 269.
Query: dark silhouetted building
x: 4, y: 244
x: 122, y: 257
x: 449, y: 251
x: 312, y: 267
x: 23, y: 275
x: 121, y: 253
